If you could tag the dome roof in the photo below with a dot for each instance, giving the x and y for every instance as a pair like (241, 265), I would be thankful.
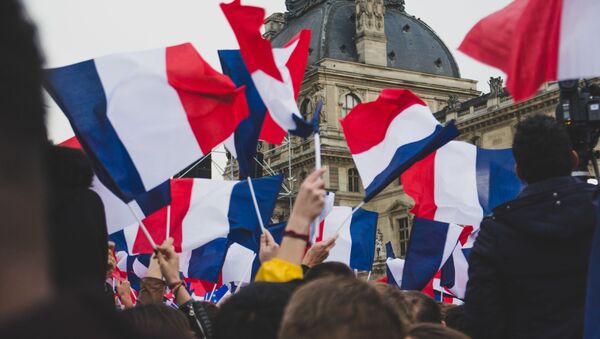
(411, 44)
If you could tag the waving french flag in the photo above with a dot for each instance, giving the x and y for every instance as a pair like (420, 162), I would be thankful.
(394, 266)
(389, 135)
(143, 117)
(534, 41)
(204, 210)
(461, 183)
(277, 73)
(431, 244)
(355, 245)
(455, 272)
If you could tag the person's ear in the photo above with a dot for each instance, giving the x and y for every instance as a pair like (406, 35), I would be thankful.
(574, 160)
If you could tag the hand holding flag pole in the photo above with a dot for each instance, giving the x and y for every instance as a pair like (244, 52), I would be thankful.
(318, 164)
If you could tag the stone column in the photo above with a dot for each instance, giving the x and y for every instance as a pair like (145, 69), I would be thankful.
(370, 32)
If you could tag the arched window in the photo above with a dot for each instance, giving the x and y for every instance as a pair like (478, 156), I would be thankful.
(353, 180)
(350, 101)
(306, 108)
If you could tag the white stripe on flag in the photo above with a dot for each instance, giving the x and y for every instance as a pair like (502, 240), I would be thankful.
(147, 114)
(413, 124)
(237, 261)
(343, 245)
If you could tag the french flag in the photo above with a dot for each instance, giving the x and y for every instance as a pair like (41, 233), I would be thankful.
(143, 117)
(430, 245)
(238, 267)
(389, 135)
(394, 266)
(461, 183)
(355, 245)
(204, 210)
(534, 41)
(118, 215)
(277, 73)
(455, 272)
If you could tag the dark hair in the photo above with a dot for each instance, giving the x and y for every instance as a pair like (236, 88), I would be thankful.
(393, 295)
(327, 270)
(339, 308)
(456, 319)
(542, 149)
(434, 331)
(423, 308)
(253, 312)
(158, 321)
(69, 167)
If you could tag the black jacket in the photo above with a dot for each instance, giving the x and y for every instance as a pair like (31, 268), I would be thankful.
(528, 267)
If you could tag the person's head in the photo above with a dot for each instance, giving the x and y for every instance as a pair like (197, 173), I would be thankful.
(328, 270)
(455, 318)
(253, 312)
(423, 308)
(22, 162)
(444, 307)
(433, 331)
(337, 308)
(542, 149)
(157, 321)
(394, 295)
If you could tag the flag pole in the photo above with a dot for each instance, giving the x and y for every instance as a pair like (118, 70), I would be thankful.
(212, 292)
(143, 227)
(369, 276)
(168, 232)
(255, 202)
(245, 272)
(349, 216)
(318, 163)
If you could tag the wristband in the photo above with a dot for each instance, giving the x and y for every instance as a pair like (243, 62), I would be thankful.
(292, 234)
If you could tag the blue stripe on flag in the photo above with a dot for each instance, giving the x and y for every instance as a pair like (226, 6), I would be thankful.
(206, 261)
(408, 154)
(119, 239)
(363, 229)
(425, 252)
(78, 91)
(248, 131)
(497, 181)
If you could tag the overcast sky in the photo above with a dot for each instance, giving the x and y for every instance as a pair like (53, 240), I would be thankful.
(76, 30)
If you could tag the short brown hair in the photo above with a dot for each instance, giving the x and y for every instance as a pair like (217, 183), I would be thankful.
(433, 331)
(395, 297)
(339, 308)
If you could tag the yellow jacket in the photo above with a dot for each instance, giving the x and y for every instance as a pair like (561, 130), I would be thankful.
(277, 270)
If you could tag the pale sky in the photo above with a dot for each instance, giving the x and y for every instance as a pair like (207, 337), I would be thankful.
(75, 30)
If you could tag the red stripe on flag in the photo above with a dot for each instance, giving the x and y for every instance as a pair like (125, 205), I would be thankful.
(246, 22)
(419, 183)
(214, 107)
(366, 125)
(271, 132)
(464, 235)
(523, 40)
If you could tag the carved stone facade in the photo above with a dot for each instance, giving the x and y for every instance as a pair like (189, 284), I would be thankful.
(370, 34)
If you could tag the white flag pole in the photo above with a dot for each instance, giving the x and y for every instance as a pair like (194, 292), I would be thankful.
(143, 227)
(255, 202)
(211, 293)
(245, 273)
(369, 276)
(349, 216)
(168, 232)
(318, 163)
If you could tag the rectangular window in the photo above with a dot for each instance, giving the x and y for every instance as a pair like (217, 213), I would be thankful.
(402, 224)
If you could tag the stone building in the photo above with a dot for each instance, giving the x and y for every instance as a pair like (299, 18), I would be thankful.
(358, 48)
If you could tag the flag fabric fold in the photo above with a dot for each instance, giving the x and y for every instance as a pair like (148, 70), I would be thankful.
(534, 41)
(387, 136)
(277, 73)
(142, 117)
(461, 183)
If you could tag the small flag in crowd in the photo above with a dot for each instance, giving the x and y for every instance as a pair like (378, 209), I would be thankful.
(461, 183)
(203, 210)
(431, 244)
(218, 294)
(389, 135)
(355, 245)
(394, 266)
(238, 265)
(142, 117)
(455, 272)
(204, 262)
(276, 73)
(316, 230)
(534, 41)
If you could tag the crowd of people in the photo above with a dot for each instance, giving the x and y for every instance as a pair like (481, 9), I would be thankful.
(527, 275)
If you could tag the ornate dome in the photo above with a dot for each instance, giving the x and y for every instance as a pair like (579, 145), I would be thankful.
(411, 44)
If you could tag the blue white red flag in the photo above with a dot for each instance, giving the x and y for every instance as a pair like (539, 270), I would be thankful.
(204, 210)
(393, 266)
(431, 244)
(461, 183)
(277, 73)
(389, 135)
(355, 245)
(143, 117)
(455, 272)
(218, 294)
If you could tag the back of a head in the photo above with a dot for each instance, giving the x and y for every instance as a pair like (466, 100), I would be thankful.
(158, 321)
(393, 295)
(329, 270)
(423, 308)
(542, 149)
(456, 319)
(253, 312)
(339, 308)
(434, 331)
